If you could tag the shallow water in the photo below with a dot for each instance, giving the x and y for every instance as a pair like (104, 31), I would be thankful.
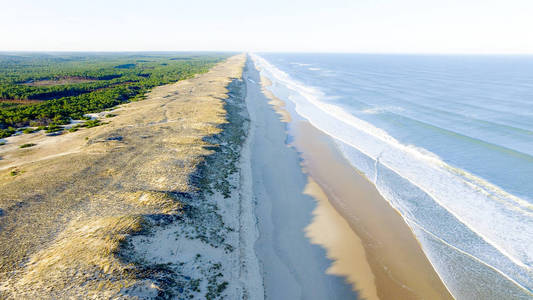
(448, 141)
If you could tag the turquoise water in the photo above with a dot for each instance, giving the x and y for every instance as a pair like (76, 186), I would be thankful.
(448, 141)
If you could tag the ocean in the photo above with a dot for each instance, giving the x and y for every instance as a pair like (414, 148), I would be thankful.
(447, 140)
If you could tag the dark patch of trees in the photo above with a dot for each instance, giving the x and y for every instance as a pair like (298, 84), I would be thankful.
(125, 66)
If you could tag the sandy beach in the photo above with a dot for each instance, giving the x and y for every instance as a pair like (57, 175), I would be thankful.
(399, 267)
(292, 267)
(369, 242)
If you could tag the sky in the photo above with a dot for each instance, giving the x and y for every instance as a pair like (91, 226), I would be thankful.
(360, 26)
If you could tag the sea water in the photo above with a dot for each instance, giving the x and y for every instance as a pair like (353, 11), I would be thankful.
(447, 140)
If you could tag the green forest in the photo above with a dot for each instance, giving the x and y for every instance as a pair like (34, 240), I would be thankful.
(49, 90)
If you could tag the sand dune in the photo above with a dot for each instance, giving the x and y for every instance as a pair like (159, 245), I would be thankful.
(79, 209)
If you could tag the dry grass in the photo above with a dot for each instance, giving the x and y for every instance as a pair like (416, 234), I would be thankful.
(163, 202)
(78, 196)
(82, 259)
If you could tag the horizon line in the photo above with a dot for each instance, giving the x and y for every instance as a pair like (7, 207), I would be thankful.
(270, 51)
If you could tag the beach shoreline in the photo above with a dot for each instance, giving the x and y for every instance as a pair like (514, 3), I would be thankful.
(291, 266)
(399, 266)
(441, 170)
(389, 260)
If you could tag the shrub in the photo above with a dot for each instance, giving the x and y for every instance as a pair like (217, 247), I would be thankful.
(92, 123)
(76, 127)
(53, 128)
(7, 132)
(30, 130)
(27, 145)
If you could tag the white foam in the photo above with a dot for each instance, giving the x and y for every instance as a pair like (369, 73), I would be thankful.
(300, 64)
(502, 220)
(382, 109)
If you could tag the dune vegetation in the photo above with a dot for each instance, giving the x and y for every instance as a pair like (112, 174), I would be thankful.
(70, 204)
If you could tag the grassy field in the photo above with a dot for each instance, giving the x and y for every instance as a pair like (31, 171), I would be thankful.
(52, 89)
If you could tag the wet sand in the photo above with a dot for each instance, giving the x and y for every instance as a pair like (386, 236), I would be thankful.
(330, 230)
(399, 267)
